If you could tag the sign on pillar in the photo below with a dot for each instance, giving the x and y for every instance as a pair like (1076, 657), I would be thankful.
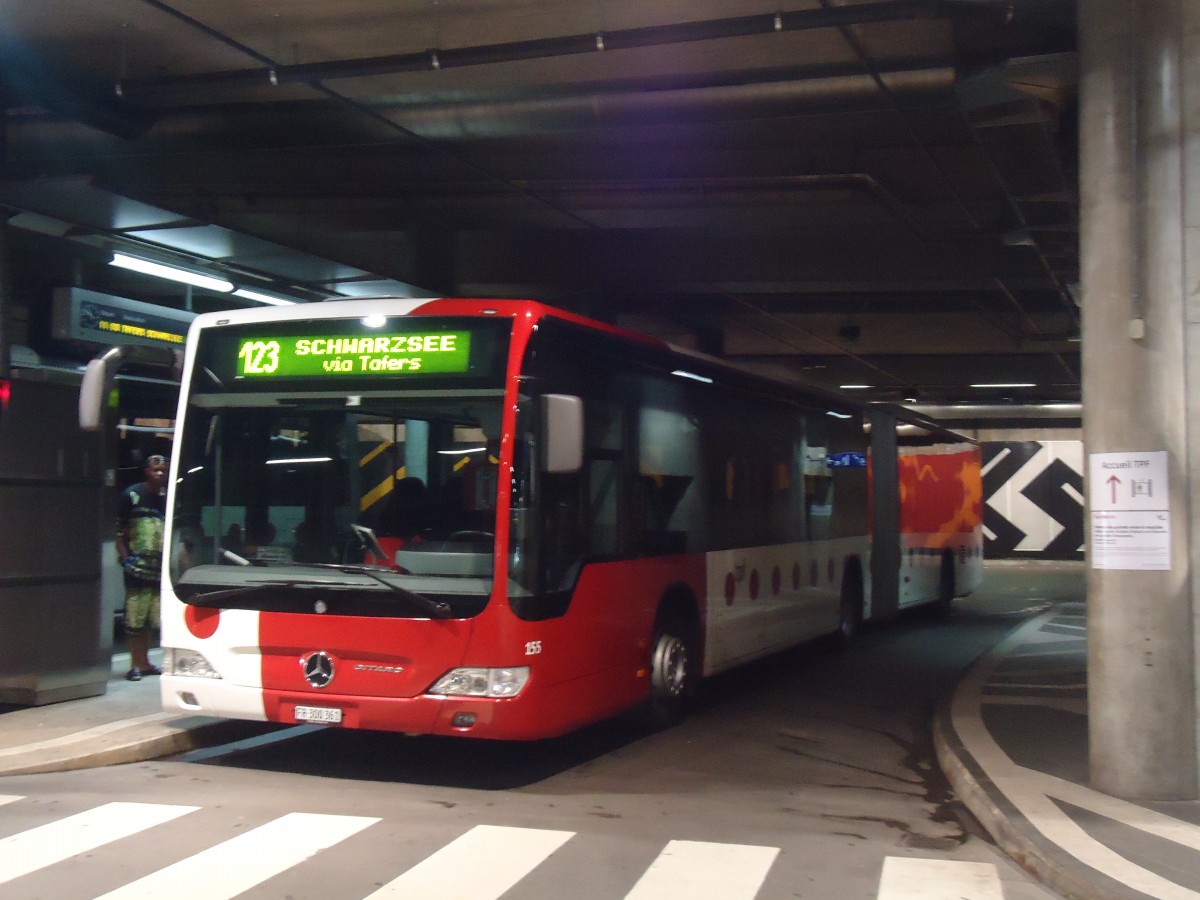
(1131, 510)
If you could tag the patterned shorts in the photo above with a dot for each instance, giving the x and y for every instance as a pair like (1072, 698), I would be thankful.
(141, 606)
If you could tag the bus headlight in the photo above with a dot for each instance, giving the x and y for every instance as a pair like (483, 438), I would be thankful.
(480, 682)
(188, 663)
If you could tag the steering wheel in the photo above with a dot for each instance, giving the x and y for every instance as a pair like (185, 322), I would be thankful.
(479, 536)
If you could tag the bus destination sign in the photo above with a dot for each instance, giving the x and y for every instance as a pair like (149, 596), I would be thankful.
(442, 352)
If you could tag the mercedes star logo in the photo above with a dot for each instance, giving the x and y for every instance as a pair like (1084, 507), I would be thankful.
(318, 669)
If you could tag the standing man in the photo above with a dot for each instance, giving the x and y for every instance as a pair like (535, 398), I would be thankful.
(141, 517)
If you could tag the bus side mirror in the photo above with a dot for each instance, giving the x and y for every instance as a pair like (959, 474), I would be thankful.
(562, 433)
(97, 382)
(101, 371)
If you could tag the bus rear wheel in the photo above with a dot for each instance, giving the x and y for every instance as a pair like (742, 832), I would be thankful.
(850, 612)
(672, 668)
(946, 588)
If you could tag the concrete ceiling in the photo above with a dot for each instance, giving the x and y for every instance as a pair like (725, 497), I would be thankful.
(878, 192)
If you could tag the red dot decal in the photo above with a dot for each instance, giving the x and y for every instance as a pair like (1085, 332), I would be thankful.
(776, 579)
(730, 587)
(754, 585)
(202, 622)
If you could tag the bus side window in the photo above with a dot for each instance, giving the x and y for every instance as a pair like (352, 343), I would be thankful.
(668, 477)
(604, 443)
(583, 509)
(603, 504)
(563, 537)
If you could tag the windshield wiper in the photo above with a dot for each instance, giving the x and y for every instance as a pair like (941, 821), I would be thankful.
(436, 608)
(230, 593)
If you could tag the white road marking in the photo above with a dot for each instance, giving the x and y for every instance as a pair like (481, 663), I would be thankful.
(481, 865)
(9, 798)
(236, 865)
(938, 879)
(1031, 792)
(45, 845)
(703, 871)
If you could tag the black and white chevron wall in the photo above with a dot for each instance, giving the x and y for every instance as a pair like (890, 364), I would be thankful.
(1033, 499)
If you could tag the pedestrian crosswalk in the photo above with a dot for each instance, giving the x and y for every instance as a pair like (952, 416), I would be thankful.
(37, 848)
(938, 879)
(240, 863)
(705, 871)
(483, 863)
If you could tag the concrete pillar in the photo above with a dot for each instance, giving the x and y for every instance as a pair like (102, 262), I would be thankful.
(1141, 354)
(5, 303)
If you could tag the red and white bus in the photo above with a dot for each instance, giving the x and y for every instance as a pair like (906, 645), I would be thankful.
(500, 520)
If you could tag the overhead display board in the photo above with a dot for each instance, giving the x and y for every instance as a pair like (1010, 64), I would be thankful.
(83, 315)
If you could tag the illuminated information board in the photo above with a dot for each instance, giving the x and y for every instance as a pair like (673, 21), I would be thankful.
(83, 315)
(442, 352)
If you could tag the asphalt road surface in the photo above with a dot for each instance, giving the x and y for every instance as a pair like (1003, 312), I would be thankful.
(810, 775)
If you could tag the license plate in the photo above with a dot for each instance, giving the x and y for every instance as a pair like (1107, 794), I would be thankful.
(327, 715)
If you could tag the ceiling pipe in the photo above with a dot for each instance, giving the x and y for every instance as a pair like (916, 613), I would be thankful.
(872, 70)
(159, 87)
(515, 117)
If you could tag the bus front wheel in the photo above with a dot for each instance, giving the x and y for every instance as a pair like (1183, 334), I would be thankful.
(672, 664)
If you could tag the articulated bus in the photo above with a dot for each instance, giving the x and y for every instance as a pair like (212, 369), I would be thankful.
(499, 520)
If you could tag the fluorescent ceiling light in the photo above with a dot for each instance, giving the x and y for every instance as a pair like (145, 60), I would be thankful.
(1014, 384)
(263, 298)
(855, 387)
(461, 452)
(693, 376)
(838, 415)
(171, 273)
(300, 459)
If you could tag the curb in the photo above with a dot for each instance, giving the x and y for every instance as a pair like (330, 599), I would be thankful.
(1044, 860)
(140, 743)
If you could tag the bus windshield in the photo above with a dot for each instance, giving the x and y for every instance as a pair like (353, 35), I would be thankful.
(375, 486)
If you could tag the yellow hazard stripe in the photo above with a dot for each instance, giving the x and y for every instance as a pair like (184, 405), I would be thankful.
(386, 445)
(381, 490)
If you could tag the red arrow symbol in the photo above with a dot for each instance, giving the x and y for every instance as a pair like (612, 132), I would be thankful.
(1114, 481)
